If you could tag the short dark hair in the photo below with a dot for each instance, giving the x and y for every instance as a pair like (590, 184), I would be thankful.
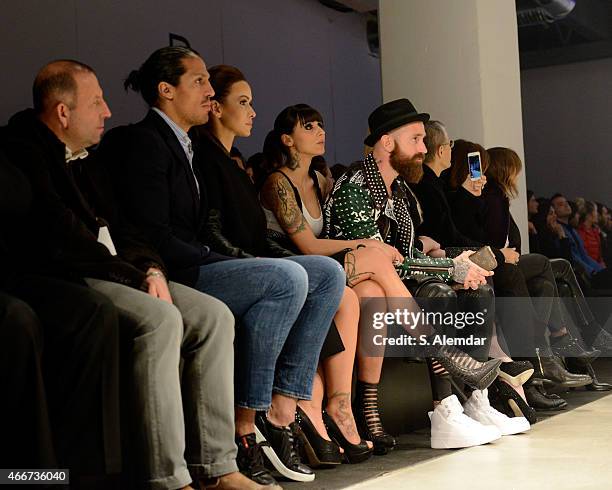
(277, 154)
(164, 65)
(555, 196)
(55, 83)
(222, 77)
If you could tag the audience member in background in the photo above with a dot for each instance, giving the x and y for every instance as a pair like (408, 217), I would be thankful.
(283, 308)
(240, 230)
(605, 227)
(553, 242)
(256, 170)
(532, 209)
(599, 276)
(588, 229)
(373, 200)
(79, 232)
(59, 410)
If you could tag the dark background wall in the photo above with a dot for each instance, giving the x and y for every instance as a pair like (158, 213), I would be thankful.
(567, 118)
(290, 50)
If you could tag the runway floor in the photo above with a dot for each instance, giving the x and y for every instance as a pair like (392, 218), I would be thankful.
(569, 449)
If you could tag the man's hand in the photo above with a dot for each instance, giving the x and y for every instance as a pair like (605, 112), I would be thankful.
(437, 253)
(558, 230)
(157, 285)
(429, 244)
(511, 255)
(468, 273)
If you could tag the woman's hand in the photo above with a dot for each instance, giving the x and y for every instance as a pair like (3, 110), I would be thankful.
(393, 253)
(429, 244)
(511, 255)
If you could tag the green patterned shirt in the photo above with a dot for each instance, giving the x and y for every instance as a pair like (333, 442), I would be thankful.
(360, 207)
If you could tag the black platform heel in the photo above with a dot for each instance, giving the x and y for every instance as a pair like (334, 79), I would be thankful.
(353, 453)
(319, 452)
(507, 401)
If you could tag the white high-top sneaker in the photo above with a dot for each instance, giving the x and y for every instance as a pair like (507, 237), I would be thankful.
(451, 428)
(478, 408)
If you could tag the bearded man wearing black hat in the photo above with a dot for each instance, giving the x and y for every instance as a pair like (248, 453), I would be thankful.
(373, 200)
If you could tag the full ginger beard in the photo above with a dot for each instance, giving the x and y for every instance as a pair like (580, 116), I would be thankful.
(410, 168)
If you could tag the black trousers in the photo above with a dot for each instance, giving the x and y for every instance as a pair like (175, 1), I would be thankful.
(80, 367)
(25, 440)
(524, 320)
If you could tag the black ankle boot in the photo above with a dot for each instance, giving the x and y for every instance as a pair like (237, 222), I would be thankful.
(367, 418)
(549, 367)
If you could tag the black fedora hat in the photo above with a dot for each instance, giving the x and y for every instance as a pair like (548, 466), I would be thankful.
(390, 116)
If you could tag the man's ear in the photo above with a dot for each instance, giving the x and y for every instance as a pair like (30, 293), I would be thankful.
(440, 150)
(286, 140)
(62, 112)
(165, 90)
(388, 142)
(215, 108)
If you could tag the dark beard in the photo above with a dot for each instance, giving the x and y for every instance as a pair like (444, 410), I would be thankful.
(410, 168)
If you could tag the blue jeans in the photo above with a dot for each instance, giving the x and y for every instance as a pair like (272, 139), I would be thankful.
(283, 310)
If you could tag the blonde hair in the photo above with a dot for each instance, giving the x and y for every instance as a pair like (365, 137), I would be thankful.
(504, 166)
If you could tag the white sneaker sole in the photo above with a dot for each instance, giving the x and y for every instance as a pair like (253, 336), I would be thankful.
(278, 464)
(505, 430)
(450, 441)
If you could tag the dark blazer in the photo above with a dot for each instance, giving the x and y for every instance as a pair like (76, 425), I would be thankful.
(157, 188)
(60, 237)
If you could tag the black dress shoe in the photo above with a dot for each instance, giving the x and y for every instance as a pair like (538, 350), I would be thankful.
(282, 451)
(250, 460)
(538, 400)
(579, 366)
(319, 452)
(506, 400)
(568, 346)
(554, 370)
(353, 453)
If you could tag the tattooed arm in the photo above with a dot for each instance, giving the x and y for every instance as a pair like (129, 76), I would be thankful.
(278, 197)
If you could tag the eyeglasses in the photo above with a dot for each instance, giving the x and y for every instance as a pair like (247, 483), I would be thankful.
(450, 144)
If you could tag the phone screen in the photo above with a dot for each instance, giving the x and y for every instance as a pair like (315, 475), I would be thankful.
(474, 166)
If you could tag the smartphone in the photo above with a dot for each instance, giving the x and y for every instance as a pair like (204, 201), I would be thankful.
(474, 165)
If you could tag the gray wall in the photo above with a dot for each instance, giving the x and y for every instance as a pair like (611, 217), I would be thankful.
(567, 118)
(290, 50)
